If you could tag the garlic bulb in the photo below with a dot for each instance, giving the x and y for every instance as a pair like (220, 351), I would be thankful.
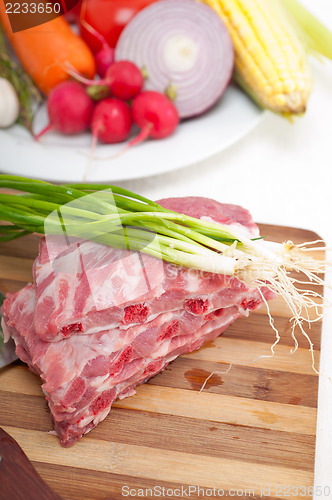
(9, 104)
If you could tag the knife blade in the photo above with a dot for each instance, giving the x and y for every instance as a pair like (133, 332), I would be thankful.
(7, 350)
(18, 478)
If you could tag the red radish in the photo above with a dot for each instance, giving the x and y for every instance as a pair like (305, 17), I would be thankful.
(105, 56)
(155, 115)
(111, 121)
(124, 79)
(69, 109)
(152, 111)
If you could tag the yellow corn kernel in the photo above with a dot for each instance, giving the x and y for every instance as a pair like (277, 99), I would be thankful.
(269, 58)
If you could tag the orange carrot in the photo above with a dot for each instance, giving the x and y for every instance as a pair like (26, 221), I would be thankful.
(45, 50)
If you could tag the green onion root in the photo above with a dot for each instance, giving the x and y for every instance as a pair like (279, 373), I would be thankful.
(120, 218)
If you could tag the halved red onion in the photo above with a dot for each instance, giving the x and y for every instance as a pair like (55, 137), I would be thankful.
(185, 50)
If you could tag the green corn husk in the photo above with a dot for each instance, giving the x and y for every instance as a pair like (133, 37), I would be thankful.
(316, 37)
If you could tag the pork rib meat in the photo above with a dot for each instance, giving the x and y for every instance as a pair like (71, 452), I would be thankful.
(90, 349)
(86, 287)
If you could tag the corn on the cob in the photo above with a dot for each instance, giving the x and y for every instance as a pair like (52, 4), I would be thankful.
(270, 61)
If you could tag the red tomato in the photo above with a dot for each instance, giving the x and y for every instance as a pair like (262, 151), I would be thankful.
(109, 17)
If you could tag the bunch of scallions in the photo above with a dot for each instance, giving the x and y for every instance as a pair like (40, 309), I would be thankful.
(119, 218)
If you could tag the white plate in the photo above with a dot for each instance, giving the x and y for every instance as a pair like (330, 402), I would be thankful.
(58, 158)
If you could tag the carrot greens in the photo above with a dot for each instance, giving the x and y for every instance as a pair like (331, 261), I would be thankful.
(28, 94)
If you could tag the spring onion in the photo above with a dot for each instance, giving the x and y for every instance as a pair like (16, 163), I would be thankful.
(119, 218)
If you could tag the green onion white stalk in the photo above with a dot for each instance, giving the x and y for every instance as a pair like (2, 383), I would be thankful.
(119, 218)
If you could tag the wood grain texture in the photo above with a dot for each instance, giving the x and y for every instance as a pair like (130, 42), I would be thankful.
(252, 429)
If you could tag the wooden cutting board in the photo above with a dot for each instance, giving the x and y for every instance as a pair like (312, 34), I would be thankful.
(251, 429)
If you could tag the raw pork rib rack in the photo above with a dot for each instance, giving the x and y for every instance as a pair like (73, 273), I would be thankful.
(98, 321)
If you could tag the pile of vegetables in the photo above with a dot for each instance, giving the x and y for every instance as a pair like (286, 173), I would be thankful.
(119, 218)
(125, 97)
(71, 110)
(178, 53)
(271, 41)
(128, 92)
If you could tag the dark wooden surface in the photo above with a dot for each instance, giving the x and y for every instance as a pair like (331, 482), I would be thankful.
(252, 427)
